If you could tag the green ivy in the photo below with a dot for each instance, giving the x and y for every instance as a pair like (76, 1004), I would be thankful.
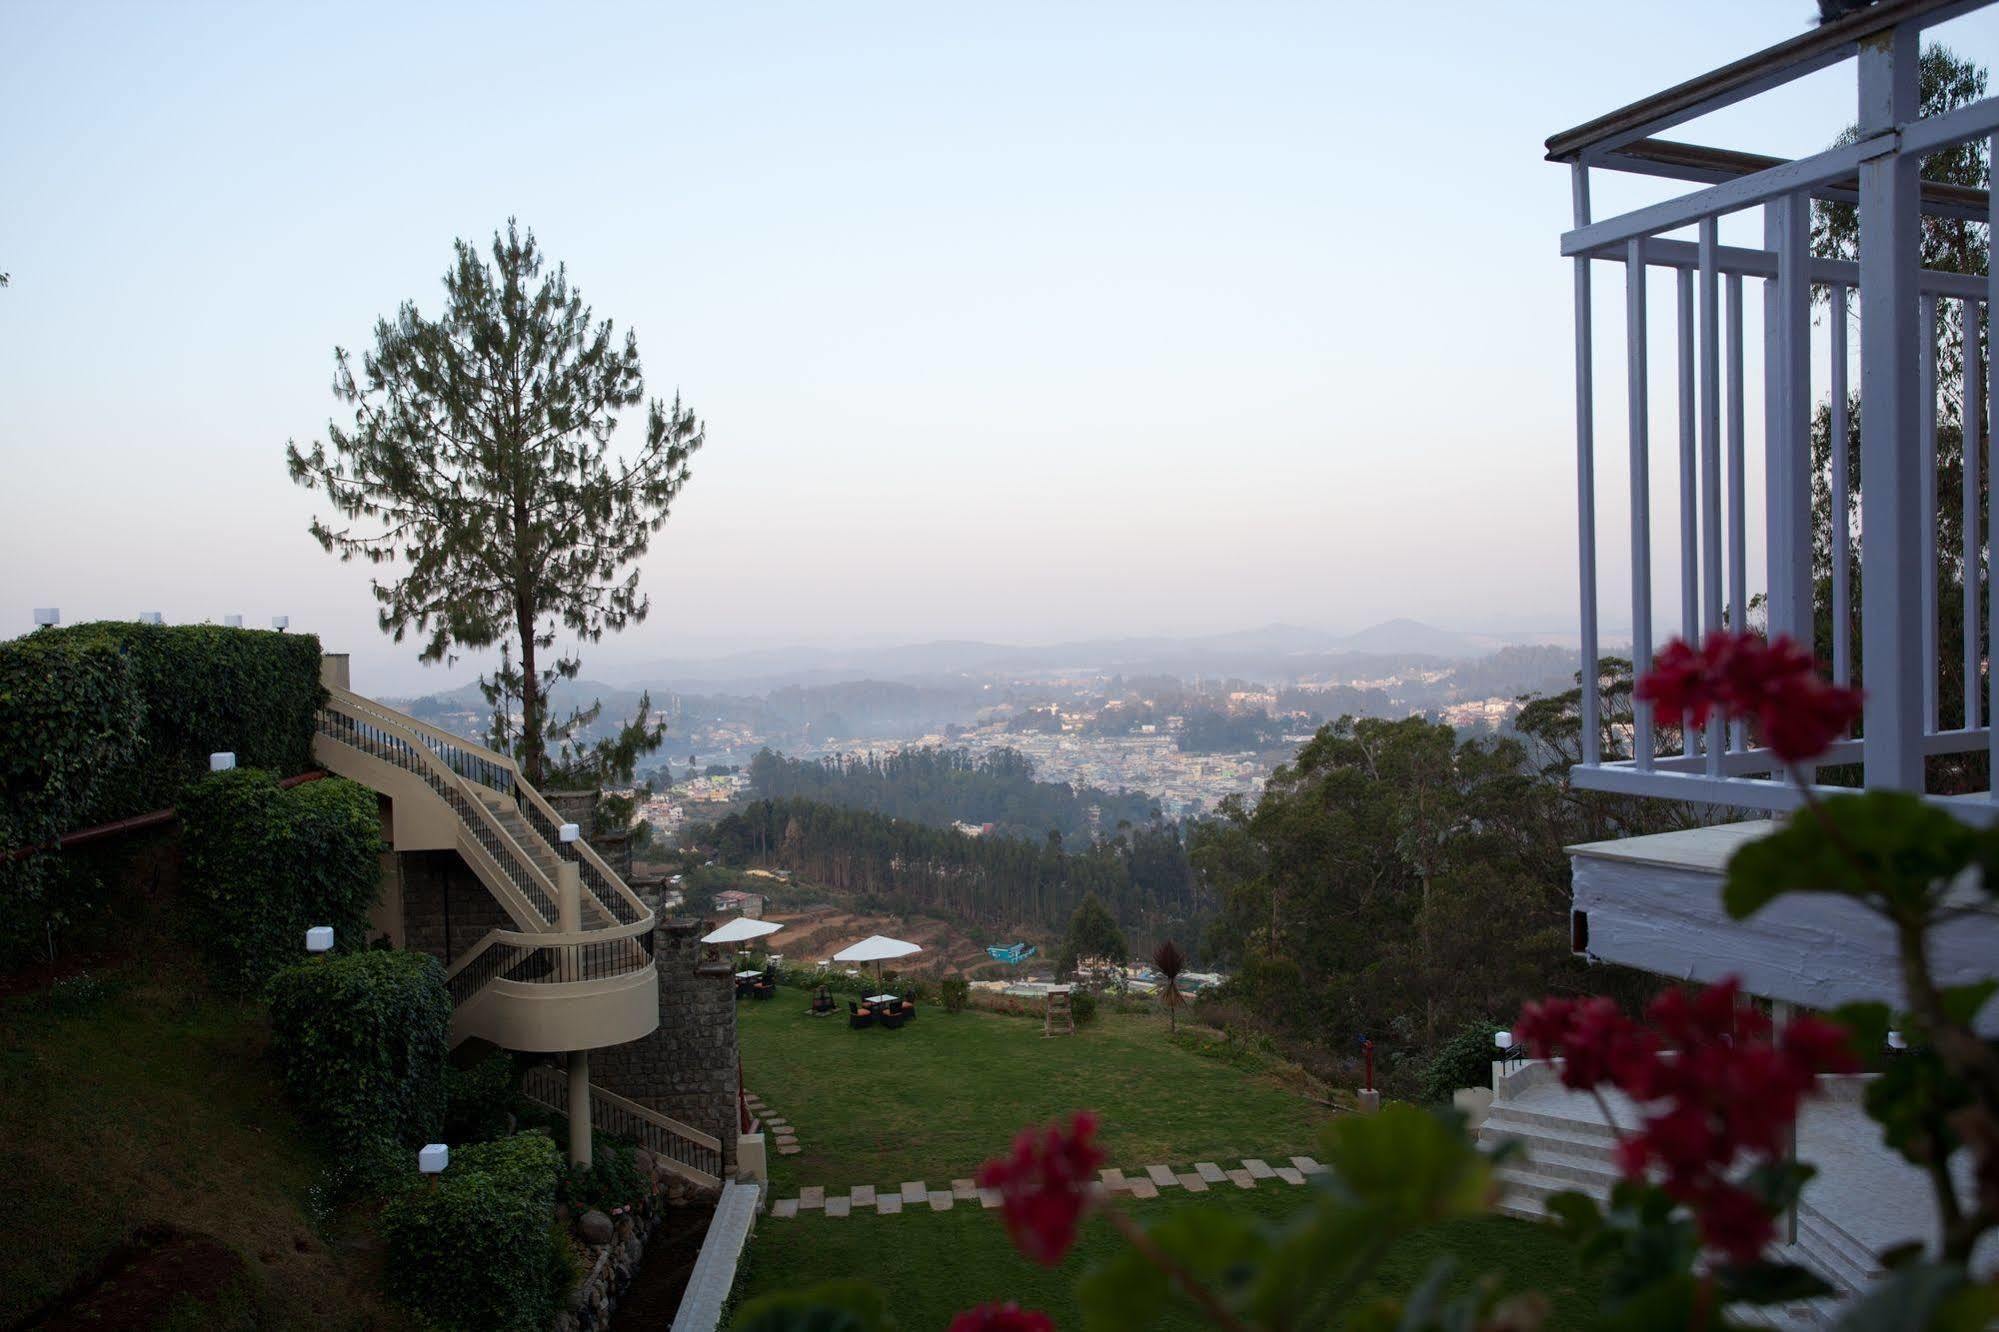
(360, 1041)
(474, 1250)
(106, 720)
(264, 863)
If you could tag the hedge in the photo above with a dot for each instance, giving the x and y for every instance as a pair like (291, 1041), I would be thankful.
(264, 863)
(1464, 1060)
(360, 1040)
(477, 1250)
(105, 720)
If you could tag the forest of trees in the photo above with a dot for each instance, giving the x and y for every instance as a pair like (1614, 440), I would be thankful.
(943, 786)
(1001, 883)
(1211, 732)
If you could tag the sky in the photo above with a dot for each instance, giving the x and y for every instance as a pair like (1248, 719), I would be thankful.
(1024, 323)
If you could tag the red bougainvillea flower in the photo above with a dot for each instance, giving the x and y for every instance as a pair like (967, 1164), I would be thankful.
(1008, 1317)
(1716, 1092)
(1043, 1185)
(1775, 685)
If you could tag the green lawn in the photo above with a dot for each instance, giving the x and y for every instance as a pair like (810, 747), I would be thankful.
(933, 1264)
(950, 1090)
(140, 1097)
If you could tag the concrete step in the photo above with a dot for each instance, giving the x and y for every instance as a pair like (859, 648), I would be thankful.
(1841, 1258)
(1566, 1139)
(1593, 1176)
(1526, 1117)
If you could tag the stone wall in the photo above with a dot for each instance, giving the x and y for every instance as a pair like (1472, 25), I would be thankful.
(687, 1068)
(446, 910)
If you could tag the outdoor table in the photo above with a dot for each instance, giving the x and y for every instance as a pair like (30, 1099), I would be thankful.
(747, 975)
(881, 999)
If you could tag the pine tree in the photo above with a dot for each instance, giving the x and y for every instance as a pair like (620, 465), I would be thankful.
(479, 458)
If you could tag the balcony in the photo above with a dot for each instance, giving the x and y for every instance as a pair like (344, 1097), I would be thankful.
(1878, 603)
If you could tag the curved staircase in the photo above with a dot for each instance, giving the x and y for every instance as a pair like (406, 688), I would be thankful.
(575, 971)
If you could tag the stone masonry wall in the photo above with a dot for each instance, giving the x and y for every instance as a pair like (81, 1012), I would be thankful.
(446, 910)
(687, 1068)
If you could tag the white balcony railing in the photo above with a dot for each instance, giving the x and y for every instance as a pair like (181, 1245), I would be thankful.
(1891, 364)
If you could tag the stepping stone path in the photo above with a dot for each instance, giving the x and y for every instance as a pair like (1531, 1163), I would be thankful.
(915, 1195)
(782, 1135)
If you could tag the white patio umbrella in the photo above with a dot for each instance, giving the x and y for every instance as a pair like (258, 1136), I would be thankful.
(742, 930)
(876, 948)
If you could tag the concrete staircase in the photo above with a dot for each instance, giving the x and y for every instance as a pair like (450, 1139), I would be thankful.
(1566, 1144)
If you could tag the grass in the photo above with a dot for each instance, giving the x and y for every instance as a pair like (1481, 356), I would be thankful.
(932, 1265)
(950, 1090)
(138, 1097)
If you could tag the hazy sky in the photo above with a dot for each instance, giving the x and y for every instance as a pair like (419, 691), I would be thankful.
(1008, 321)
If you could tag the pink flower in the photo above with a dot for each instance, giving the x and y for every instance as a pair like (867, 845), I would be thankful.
(1044, 1184)
(1008, 1317)
(1775, 685)
(1715, 1090)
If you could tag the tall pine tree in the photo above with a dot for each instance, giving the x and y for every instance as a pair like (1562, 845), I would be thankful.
(479, 460)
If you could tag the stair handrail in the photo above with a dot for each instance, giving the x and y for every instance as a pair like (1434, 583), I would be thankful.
(607, 959)
(515, 783)
(388, 719)
(693, 1153)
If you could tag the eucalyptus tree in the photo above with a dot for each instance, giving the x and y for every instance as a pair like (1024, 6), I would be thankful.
(478, 467)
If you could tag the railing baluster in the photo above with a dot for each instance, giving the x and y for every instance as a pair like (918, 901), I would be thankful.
(1926, 407)
(1710, 390)
(1641, 495)
(1842, 501)
(1973, 419)
(1586, 480)
(1738, 491)
(1690, 608)
(1991, 513)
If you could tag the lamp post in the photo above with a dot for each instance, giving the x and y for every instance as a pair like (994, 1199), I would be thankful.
(47, 617)
(281, 622)
(222, 761)
(232, 622)
(319, 939)
(151, 617)
(432, 1158)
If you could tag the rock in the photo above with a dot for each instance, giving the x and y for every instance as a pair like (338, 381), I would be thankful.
(643, 1159)
(594, 1227)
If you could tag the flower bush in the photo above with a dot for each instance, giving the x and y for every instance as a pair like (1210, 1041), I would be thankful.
(1685, 1240)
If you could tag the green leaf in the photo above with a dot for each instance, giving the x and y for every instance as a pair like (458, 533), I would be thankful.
(1413, 1165)
(1219, 1249)
(1889, 849)
(1869, 1023)
(1575, 1214)
(1912, 1100)
(1961, 1003)
(831, 1306)
(1911, 1297)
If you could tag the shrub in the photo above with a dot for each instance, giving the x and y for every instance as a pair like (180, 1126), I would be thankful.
(1083, 1006)
(479, 1100)
(263, 863)
(476, 1251)
(360, 1040)
(102, 721)
(610, 1180)
(954, 991)
(1464, 1060)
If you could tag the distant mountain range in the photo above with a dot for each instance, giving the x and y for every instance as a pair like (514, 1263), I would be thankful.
(1272, 652)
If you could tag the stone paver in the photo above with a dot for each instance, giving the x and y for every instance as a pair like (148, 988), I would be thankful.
(1113, 1179)
(811, 1196)
(913, 1191)
(1306, 1165)
(964, 1190)
(941, 1200)
(1242, 1179)
(792, 1150)
(1144, 1188)
(864, 1195)
(1193, 1183)
(1290, 1176)
(889, 1204)
(1258, 1169)
(1209, 1171)
(989, 1198)
(1162, 1176)
(839, 1206)
(784, 1207)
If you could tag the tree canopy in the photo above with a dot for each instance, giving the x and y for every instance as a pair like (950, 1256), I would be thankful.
(479, 463)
